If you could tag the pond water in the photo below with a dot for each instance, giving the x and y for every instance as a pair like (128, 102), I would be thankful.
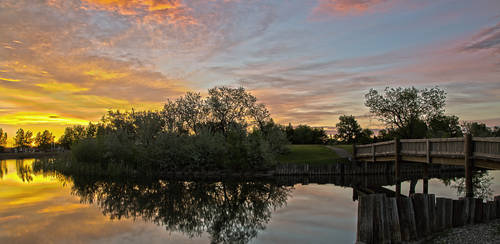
(50, 208)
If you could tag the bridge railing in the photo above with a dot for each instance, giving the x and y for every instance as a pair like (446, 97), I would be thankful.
(487, 148)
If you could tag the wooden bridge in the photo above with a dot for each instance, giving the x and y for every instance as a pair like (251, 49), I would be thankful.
(470, 152)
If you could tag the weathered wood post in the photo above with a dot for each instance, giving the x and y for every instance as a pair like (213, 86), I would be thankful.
(421, 207)
(428, 151)
(431, 198)
(392, 220)
(459, 215)
(469, 167)
(497, 201)
(440, 213)
(471, 203)
(413, 184)
(406, 219)
(397, 159)
(478, 213)
(425, 184)
(448, 213)
(365, 219)
(373, 153)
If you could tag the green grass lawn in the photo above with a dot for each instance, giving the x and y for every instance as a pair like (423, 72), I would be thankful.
(312, 154)
(345, 147)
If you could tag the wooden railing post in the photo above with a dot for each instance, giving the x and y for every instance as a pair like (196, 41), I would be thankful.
(397, 159)
(426, 167)
(468, 165)
(373, 153)
(428, 150)
(425, 184)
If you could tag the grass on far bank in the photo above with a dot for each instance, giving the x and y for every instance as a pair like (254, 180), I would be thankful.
(312, 154)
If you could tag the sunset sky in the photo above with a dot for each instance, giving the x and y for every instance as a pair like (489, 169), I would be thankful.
(65, 62)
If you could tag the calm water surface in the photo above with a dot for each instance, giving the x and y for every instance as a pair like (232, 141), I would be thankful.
(50, 208)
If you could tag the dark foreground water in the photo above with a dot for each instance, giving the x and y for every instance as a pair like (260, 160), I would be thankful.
(50, 208)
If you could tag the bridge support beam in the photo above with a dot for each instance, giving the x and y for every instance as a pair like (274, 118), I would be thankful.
(468, 165)
(397, 162)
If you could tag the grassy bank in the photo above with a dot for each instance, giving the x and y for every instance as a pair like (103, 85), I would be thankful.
(312, 154)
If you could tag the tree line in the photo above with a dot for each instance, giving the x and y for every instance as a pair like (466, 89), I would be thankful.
(407, 113)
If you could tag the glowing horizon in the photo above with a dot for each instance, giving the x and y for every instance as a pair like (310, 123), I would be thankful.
(66, 62)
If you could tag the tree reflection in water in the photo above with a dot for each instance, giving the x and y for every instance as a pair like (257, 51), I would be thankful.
(3, 168)
(481, 185)
(24, 172)
(230, 212)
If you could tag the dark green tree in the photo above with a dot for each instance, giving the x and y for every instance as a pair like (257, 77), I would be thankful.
(444, 126)
(348, 129)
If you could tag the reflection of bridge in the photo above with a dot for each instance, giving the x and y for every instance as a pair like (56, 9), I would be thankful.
(372, 183)
(470, 152)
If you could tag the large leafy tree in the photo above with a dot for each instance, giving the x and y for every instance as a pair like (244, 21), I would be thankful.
(406, 110)
(348, 129)
(229, 106)
(44, 140)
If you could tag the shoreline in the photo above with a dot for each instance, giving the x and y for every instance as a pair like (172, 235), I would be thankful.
(4, 156)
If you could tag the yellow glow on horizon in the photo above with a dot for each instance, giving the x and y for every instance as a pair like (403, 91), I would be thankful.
(38, 118)
(61, 87)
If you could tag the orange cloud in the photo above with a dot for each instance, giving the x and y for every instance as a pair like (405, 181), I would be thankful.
(169, 11)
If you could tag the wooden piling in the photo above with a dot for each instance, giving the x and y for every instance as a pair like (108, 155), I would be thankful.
(497, 203)
(421, 207)
(425, 184)
(459, 215)
(440, 218)
(448, 213)
(380, 234)
(471, 209)
(406, 219)
(478, 213)
(365, 219)
(432, 211)
(486, 212)
(392, 220)
(397, 162)
(469, 192)
(493, 210)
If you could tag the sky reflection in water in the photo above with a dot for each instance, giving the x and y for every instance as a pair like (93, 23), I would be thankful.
(48, 208)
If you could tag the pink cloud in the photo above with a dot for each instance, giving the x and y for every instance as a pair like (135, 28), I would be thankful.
(333, 7)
